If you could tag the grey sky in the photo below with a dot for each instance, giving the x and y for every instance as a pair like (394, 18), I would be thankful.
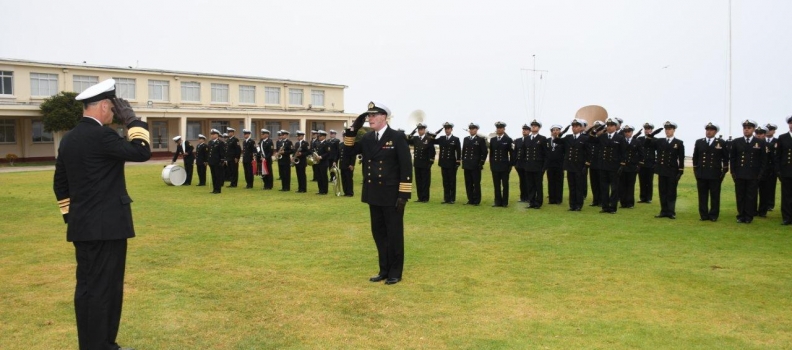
(457, 60)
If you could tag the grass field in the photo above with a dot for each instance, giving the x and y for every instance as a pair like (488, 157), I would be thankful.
(250, 269)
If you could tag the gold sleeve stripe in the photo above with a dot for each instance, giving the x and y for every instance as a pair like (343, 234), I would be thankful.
(64, 201)
(405, 187)
(139, 133)
(349, 141)
(64, 209)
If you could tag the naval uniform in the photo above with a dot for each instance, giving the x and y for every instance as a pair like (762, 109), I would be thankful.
(783, 165)
(646, 173)
(201, 154)
(346, 159)
(554, 164)
(500, 152)
(450, 157)
(248, 150)
(748, 160)
(265, 161)
(216, 161)
(633, 162)
(423, 158)
(189, 158)
(325, 150)
(234, 151)
(301, 148)
(518, 160)
(710, 164)
(670, 162)
(576, 155)
(91, 192)
(284, 164)
(474, 154)
(612, 150)
(535, 150)
(767, 184)
(315, 167)
(595, 167)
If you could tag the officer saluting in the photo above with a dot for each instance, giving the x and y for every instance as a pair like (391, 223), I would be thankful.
(575, 160)
(450, 159)
(710, 165)
(474, 154)
(201, 155)
(669, 167)
(424, 157)
(612, 148)
(748, 160)
(500, 164)
(186, 150)
(554, 165)
(216, 160)
(91, 192)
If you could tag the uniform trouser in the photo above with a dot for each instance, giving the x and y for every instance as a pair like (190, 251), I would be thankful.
(346, 181)
(746, 191)
(233, 172)
(646, 184)
(667, 188)
(423, 178)
(99, 293)
(267, 179)
(500, 181)
(321, 177)
(555, 185)
(315, 169)
(709, 191)
(284, 172)
(217, 177)
(627, 188)
(786, 199)
(302, 179)
(596, 191)
(188, 167)
(201, 173)
(521, 176)
(473, 185)
(534, 188)
(577, 188)
(449, 184)
(387, 227)
(609, 189)
(767, 189)
(248, 168)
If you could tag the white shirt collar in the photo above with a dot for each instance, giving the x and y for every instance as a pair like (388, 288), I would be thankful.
(670, 138)
(96, 120)
(381, 132)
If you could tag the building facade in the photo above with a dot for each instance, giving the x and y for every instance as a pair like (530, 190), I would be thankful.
(172, 102)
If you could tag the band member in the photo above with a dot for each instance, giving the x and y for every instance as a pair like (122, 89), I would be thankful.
(346, 163)
(633, 161)
(387, 185)
(314, 146)
(232, 157)
(284, 150)
(450, 160)
(535, 150)
(226, 169)
(518, 160)
(423, 158)
(576, 155)
(783, 164)
(669, 167)
(300, 162)
(325, 151)
(595, 159)
(216, 161)
(335, 144)
(185, 149)
(201, 157)
(264, 155)
(748, 163)
(248, 152)
(613, 151)
(710, 165)
(500, 150)
(554, 165)
(91, 192)
(767, 184)
(474, 154)
(646, 171)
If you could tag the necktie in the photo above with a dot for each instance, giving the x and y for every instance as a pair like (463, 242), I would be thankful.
(747, 140)
(669, 140)
(609, 136)
(532, 137)
(377, 135)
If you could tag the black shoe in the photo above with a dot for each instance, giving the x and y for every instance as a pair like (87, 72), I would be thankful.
(713, 219)
(377, 278)
(536, 207)
(215, 192)
(603, 211)
(661, 216)
(748, 221)
(672, 217)
(468, 203)
(505, 205)
(785, 223)
(200, 185)
(352, 195)
(390, 281)
(496, 205)
(451, 202)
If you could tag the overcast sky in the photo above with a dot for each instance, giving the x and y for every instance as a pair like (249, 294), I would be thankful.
(459, 61)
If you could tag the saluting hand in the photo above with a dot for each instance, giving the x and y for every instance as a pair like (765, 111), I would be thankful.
(123, 111)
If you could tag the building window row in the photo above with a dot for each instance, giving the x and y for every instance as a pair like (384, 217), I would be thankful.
(6, 83)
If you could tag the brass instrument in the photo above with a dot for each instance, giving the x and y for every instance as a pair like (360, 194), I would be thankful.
(313, 158)
(294, 159)
(337, 182)
(360, 158)
(279, 153)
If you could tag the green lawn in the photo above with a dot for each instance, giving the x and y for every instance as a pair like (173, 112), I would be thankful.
(250, 269)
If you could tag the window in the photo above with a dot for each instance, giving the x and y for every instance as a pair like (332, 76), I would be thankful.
(7, 131)
(6, 83)
(272, 95)
(317, 98)
(293, 126)
(43, 84)
(220, 125)
(82, 82)
(159, 135)
(193, 129)
(296, 97)
(273, 127)
(191, 91)
(220, 93)
(247, 94)
(158, 90)
(125, 88)
(39, 135)
(317, 126)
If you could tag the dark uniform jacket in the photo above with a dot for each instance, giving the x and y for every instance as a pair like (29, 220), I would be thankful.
(287, 147)
(771, 173)
(710, 161)
(266, 149)
(535, 153)
(325, 150)
(423, 152)
(450, 151)
(334, 149)
(248, 150)
(388, 168)
(89, 181)
(186, 152)
(577, 152)
(648, 153)
(202, 153)
(634, 155)
(783, 155)
(234, 151)
(748, 159)
(304, 149)
(474, 152)
(346, 157)
(500, 153)
(217, 150)
(612, 152)
(518, 153)
(670, 157)
(555, 155)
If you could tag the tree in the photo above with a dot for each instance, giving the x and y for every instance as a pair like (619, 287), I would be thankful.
(61, 112)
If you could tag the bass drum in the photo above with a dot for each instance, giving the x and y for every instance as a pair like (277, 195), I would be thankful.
(174, 175)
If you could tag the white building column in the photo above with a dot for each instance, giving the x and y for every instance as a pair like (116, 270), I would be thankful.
(183, 127)
(304, 126)
(248, 124)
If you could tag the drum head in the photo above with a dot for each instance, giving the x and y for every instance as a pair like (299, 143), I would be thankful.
(174, 175)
